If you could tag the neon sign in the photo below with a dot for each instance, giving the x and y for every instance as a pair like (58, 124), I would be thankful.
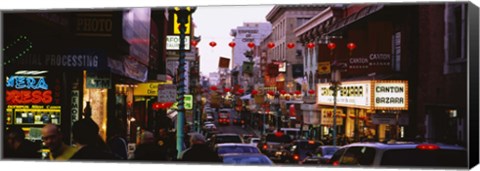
(21, 82)
(28, 90)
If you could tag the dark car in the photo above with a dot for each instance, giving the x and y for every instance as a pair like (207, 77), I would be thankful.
(297, 151)
(273, 144)
(324, 153)
(410, 155)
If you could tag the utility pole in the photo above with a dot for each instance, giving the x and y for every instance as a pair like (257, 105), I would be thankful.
(183, 15)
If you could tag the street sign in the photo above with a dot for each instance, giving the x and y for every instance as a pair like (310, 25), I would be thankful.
(167, 93)
(188, 102)
(173, 42)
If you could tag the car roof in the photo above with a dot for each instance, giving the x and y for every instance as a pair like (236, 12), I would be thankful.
(227, 134)
(235, 144)
(401, 145)
(242, 154)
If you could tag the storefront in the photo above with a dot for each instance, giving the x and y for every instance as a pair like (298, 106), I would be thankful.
(365, 109)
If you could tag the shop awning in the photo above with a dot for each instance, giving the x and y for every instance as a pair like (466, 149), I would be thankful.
(354, 17)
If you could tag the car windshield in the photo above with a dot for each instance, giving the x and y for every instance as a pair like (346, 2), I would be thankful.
(259, 160)
(329, 150)
(237, 149)
(228, 139)
(427, 158)
(278, 139)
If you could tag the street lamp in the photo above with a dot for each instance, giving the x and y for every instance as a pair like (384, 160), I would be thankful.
(183, 14)
(336, 82)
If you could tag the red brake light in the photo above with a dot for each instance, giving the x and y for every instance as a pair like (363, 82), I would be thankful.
(265, 146)
(311, 142)
(243, 121)
(428, 147)
(278, 134)
(296, 157)
(336, 163)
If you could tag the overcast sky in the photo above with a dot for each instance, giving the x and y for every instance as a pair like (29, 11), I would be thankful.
(213, 23)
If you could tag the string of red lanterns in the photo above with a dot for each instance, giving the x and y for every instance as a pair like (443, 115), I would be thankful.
(213, 44)
(251, 44)
(231, 44)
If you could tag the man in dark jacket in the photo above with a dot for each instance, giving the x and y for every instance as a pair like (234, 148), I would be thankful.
(199, 151)
(18, 147)
(90, 144)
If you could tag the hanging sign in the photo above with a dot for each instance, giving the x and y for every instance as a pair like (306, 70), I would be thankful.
(167, 93)
(391, 95)
(349, 94)
(173, 42)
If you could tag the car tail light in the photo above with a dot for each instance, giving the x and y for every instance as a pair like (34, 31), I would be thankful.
(336, 163)
(428, 147)
(311, 142)
(243, 121)
(296, 157)
(265, 146)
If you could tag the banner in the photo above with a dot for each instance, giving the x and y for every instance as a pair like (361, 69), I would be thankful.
(323, 68)
(247, 67)
(297, 70)
(224, 62)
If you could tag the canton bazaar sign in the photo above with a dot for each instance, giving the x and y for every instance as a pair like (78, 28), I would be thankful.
(380, 95)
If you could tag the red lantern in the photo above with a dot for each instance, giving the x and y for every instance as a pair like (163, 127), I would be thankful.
(298, 92)
(240, 91)
(311, 91)
(310, 45)
(351, 46)
(251, 44)
(232, 44)
(226, 90)
(291, 45)
(194, 43)
(331, 46)
(271, 93)
(213, 88)
(283, 92)
(254, 92)
(213, 44)
(271, 45)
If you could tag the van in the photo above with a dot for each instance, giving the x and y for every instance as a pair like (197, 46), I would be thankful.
(294, 133)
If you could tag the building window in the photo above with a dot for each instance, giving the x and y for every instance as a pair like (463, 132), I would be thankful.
(455, 38)
(396, 51)
(301, 21)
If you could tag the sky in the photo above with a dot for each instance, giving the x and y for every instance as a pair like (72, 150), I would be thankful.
(213, 23)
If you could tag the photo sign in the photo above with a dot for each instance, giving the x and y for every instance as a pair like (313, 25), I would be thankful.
(350, 94)
(167, 93)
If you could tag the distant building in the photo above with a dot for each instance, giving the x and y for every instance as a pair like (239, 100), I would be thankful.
(214, 78)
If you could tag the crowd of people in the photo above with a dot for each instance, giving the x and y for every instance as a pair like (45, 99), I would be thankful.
(89, 146)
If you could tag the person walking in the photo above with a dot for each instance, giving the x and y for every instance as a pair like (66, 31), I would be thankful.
(117, 142)
(53, 139)
(148, 150)
(18, 147)
(90, 144)
(199, 151)
(166, 141)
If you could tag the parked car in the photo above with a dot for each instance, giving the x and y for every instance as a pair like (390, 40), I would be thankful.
(246, 159)
(235, 148)
(272, 145)
(409, 155)
(297, 151)
(224, 138)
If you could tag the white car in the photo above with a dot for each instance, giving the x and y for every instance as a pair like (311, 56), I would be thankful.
(408, 155)
(254, 141)
(210, 126)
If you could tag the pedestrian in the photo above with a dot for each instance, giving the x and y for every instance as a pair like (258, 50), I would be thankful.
(117, 142)
(90, 144)
(53, 139)
(148, 150)
(167, 142)
(17, 147)
(199, 151)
